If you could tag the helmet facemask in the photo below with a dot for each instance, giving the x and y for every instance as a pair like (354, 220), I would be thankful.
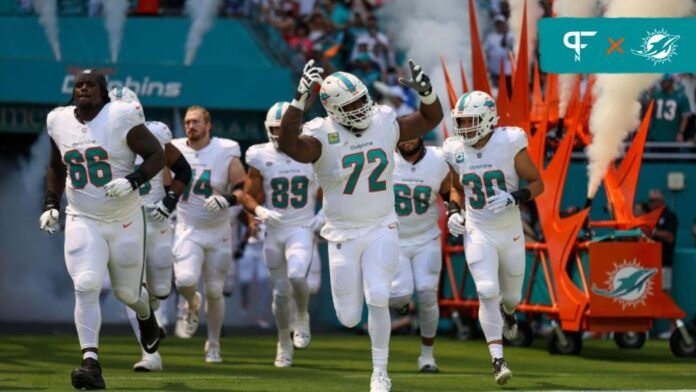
(271, 137)
(356, 118)
(470, 131)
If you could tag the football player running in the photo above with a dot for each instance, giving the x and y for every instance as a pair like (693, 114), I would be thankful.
(160, 196)
(93, 149)
(352, 153)
(490, 161)
(203, 233)
(283, 194)
(420, 173)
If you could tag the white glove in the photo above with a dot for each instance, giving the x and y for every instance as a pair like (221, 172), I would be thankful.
(49, 220)
(161, 211)
(420, 82)
(455, 224)
(318, 221)
(119, 187)
(216, 203)
(266, 215)
(501, 201)
(310, 75)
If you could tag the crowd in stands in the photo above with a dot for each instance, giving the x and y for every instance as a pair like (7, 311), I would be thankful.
(346, 35)
(343, 35)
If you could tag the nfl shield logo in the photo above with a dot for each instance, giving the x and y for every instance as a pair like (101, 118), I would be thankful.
(334, 138)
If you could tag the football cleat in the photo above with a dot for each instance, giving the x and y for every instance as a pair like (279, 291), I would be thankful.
(301, 336)
(510, 327)
(380, 382)
(284, 354)
(501, 372)
(427, 365)
(150, 335)
(88, 376)
(149, 363)
(188, 324)
(212, 353)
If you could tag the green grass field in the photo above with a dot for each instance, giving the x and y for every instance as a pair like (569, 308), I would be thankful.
(339, 363)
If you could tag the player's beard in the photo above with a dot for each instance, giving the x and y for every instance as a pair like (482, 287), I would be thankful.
(411, 152)
(195, 135)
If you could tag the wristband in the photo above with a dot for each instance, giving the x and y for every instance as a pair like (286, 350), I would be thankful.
(137, 178)
(232, 199)
(51, 201)
(170, 200)
(428, 98)
(453, 208)
(521, 195)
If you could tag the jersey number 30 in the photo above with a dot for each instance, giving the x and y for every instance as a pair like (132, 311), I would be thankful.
(473, 181)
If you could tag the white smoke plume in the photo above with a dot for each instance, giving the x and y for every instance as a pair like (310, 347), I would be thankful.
(115, 12)
(34, 283)
(202, 14)
(415, 25)
(534, 13)
(616, 109)
(48, 18)
(571, 9)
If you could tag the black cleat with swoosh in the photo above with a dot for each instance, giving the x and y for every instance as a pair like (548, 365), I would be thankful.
(150, 334)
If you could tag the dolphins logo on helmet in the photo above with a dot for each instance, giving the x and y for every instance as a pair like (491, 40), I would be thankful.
(481, 109)
(341, 89)
(273, 117)
(126, 95)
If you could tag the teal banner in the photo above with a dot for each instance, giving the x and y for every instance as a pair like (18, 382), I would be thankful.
(216, 87)
(617, 45)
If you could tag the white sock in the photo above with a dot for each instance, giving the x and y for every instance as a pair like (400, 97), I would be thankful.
(141, 307)
(490, 318)
(379, 327)
(300, 291)
(90, 354)
(133, 322)
(428, 313)
(87, 318)
(496, 350)
(214, 316)
(427, 351)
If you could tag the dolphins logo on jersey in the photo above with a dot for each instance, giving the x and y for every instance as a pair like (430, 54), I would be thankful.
(658, 46)
(628, 284)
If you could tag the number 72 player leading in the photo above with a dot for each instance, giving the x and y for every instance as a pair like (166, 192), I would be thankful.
(352, 151)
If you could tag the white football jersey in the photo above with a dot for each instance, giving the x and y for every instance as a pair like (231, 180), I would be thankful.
(153, 191)
(210, 176)
(289, 186)
(484, 171)
(96, 153)
(355, 173)
(416, 186)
